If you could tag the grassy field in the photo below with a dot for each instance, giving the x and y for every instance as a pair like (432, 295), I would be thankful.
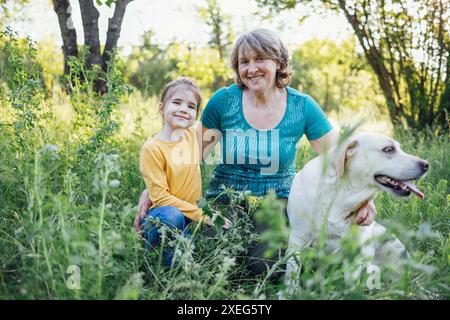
(69, 184)
(67, 206)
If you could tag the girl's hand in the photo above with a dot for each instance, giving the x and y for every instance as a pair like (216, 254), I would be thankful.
(144, 204)
(226, 225)
(366, 214)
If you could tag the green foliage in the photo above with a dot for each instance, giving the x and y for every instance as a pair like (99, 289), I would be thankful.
(406, 43)
(331, 276)
(8, 7)
(219, 24)
(271, 212)
(100, 109)
(51, 59)
(152, 66)
(335, 75)
(95, 121)
(204, 65)
(107, 2)
(68, 199)
(24, 85)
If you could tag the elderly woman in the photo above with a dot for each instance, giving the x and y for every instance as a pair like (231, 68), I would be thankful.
(259, 121)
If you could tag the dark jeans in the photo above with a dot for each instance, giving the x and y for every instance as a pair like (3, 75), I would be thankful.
(257, 264)
(171, 217)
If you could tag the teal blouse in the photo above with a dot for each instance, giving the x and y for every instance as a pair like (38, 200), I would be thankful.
(259, 160)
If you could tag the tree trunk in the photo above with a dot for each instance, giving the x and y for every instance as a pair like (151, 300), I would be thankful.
(375, 60)
(89, 16)
(68, 33)
(443, 114)
(112, 36)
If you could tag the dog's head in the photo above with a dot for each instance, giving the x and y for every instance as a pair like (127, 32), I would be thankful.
(379, 160)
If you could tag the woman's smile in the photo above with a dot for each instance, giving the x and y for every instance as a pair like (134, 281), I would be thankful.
(255, 78)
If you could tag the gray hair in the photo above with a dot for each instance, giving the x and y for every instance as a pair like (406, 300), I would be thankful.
(268, 45)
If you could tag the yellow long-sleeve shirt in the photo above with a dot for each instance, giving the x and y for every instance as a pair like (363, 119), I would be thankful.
(171, 171)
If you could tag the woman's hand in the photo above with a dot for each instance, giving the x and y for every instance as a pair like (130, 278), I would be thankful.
(144, 204)
(366, 214)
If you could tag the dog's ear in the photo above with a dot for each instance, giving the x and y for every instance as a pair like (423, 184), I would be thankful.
(341, 154)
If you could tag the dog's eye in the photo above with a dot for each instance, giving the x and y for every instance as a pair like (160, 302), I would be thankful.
(389, 149)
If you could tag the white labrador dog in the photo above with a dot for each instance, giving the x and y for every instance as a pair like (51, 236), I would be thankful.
(333, 186)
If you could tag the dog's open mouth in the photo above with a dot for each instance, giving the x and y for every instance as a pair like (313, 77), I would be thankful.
(399, 187)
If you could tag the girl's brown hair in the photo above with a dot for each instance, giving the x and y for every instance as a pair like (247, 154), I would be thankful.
(268, 45)
(186, 83)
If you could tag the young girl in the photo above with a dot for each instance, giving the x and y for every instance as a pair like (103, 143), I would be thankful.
(170, 164)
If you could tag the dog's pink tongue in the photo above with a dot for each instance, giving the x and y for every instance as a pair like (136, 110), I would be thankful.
(414, 189)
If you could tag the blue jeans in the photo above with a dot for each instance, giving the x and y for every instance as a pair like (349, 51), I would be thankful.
(171, 217)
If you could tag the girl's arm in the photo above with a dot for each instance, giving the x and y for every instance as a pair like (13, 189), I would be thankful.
(143, 205)
(161, 194)
(152, 169)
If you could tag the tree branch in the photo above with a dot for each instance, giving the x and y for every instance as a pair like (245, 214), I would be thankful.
(68, 33)
(440, 39)
(375, 60)
(392, 61)
(89, 16)
(113, 33)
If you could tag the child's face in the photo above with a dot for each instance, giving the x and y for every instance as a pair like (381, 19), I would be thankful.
(180, 110)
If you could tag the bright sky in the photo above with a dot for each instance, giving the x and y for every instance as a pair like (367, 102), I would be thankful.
(178, 19)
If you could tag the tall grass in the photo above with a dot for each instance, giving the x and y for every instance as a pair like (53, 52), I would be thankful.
(69, 184)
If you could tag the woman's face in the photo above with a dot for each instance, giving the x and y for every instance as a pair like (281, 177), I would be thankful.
(257, 73)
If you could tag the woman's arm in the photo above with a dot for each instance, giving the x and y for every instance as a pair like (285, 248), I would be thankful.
(325, 142)
(207, 139)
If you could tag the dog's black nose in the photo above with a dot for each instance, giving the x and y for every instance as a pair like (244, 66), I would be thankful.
(424, 165)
